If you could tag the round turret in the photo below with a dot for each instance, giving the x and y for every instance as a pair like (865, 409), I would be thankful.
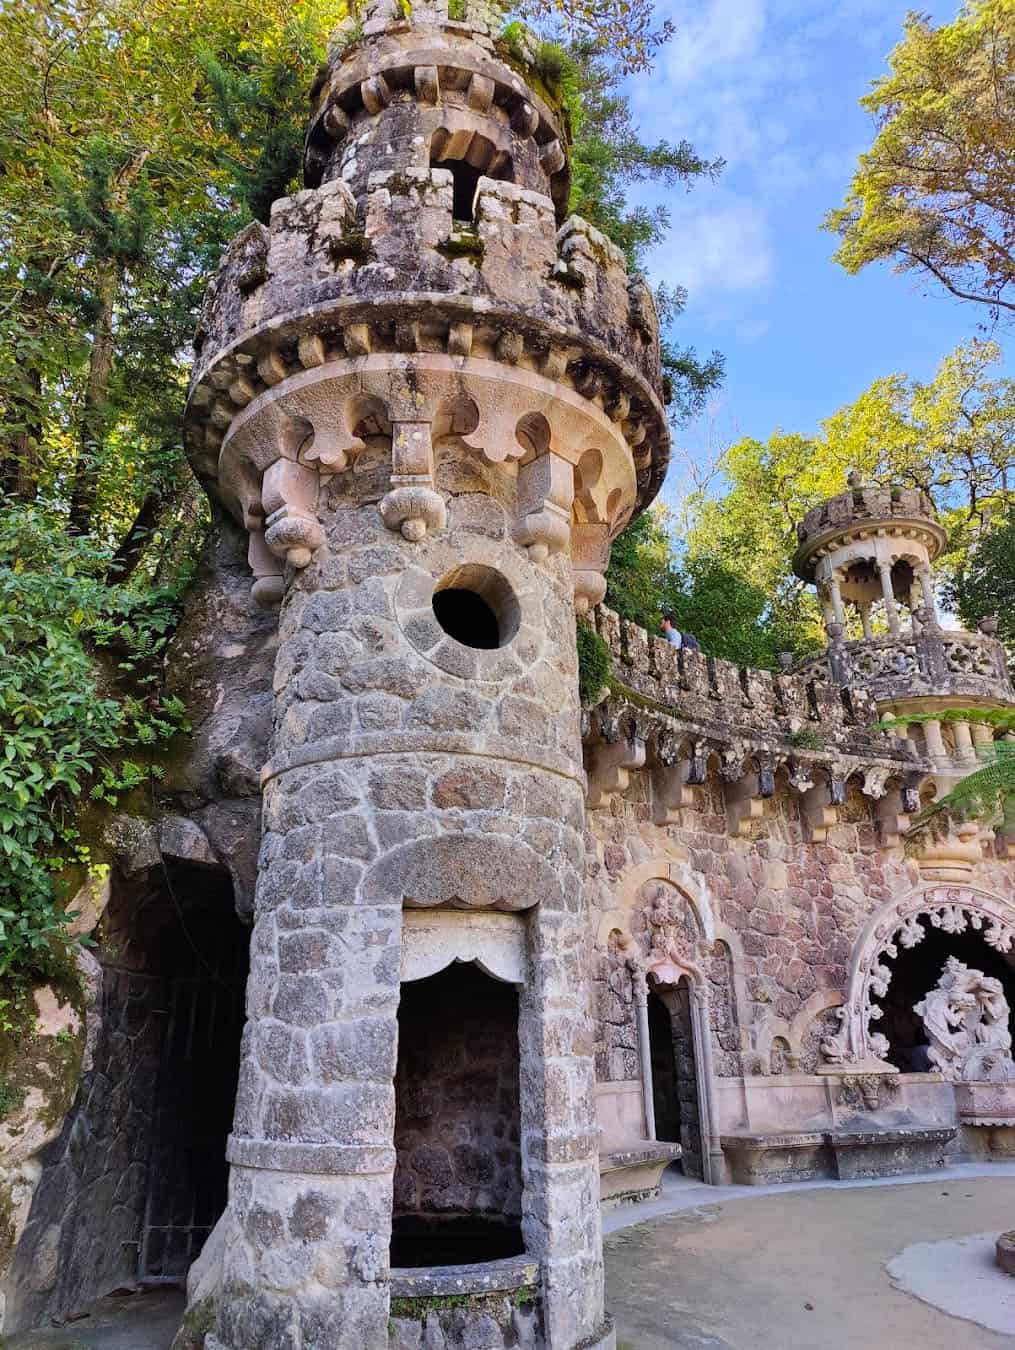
(873, 547)
(867, 545)
(432, 408)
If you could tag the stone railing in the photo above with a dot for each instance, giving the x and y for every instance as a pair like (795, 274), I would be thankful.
(684, 718)
(933, 662)
(704, 689)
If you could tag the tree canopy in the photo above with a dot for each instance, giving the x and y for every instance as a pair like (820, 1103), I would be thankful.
(733, 585)
(935, 193)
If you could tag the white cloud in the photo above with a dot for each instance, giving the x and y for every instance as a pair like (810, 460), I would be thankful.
(717, 248)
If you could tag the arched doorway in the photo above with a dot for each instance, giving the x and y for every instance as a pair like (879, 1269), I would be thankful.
(915, 970)
(674, 1072)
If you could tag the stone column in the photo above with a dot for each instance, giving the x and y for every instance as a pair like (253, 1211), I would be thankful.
(865, 619)
(891, 611)
(927, 588)
(835, 595)
(639, 987)
(963, 741)
(983, 737)
(934, 741)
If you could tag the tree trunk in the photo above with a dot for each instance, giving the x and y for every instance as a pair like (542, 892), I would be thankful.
(131, 549)
(96, 401)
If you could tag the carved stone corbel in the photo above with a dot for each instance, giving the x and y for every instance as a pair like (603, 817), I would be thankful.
(545, 494)
(590, 557)
(611, 768)
(892, 817)
(289, 494)
(746, 796)
(673, 790)
(269, 583)
(818, 812)
(412, 506)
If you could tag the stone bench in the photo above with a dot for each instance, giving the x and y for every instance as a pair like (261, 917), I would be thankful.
(632, 1171)
(763, 1159)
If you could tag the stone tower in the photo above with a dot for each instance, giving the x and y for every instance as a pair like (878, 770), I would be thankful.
(432, 401)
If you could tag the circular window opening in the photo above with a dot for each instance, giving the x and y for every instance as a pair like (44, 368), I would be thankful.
(477, 607)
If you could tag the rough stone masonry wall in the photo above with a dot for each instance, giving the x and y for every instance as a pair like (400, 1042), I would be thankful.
(788, 912)
(394, 781)
(81, 1239)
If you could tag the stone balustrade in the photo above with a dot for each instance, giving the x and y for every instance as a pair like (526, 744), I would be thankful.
(956, 664)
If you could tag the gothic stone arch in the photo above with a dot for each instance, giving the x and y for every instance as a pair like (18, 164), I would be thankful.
(953, 909)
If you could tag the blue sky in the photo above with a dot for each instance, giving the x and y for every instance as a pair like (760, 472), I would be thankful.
(773, 87)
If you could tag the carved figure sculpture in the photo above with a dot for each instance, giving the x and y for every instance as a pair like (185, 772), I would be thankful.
(966, 1020)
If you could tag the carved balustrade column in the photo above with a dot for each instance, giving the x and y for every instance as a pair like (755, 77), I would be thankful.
(835, 594)
(927, 587)
(935, 741)
(983, 737)
(963, 741)
(891, 609)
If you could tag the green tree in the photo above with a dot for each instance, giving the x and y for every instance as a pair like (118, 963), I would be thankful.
(951, 436)
(984, 582)
(936, 191)
(607, 156)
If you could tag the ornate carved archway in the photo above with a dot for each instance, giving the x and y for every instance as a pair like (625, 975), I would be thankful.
(952, 909)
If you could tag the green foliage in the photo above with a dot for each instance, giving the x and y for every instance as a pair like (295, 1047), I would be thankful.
(729, 615)
(806, 739)
(593, 663)
(984, 582)
(639, 579)
(934, 192)
(79, 678)
(607, 156)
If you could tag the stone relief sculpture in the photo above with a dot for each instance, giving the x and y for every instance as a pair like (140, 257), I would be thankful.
(965, 1017)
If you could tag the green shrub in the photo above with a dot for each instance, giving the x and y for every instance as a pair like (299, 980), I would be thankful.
(593, 663)
(80, 682)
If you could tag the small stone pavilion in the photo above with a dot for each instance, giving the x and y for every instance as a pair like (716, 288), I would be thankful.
(419, 962)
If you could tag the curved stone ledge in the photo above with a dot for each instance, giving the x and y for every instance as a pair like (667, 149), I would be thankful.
(276, 1155)
(381, 744)
(571, 354)
(480, 1277)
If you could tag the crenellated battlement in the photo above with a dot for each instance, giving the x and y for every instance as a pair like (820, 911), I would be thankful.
(288, 293)
(689, 720)
(778, 707)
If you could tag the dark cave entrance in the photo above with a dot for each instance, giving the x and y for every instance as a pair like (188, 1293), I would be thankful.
(205, 962)
(916, 970)
(137, 1177)
(458, 1187)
